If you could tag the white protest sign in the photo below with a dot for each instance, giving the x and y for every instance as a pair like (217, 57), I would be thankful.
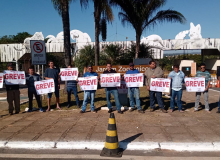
(123, 89)
(14, 77)
(134, 80)
(110, 80)
(1, 80)
(88, 83)
(160, 84)
(38, 52)
(67, 74)
(45, 86)
(195, 84)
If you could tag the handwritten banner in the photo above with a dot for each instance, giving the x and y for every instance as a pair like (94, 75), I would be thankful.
(195, 84)
(88, 83)
(1, 80)
(134, 80)
(67, 74)
(14, 77)
(123, 89)
(45, 86)
(110, 80)
(160, 84)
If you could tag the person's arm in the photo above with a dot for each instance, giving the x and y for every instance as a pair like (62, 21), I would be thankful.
(46, 75)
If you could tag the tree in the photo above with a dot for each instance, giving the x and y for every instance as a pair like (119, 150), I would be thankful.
(142, 14)
(19, 38)
(102, 13)
(62, 6)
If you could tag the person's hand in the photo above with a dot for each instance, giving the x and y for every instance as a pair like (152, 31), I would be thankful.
(153, 76)
(206, 89)
(58, 86)
(203, 76)
(148, 88)
(186, 76)
(169, 77)
(77, 80)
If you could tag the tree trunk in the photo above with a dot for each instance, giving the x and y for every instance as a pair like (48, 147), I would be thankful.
(138, 41)
(97, 20)
(66, 32)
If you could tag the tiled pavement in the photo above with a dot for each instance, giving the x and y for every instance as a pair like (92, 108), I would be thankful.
(157, 126)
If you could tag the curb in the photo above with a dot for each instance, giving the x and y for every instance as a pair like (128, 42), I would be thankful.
(95, 145)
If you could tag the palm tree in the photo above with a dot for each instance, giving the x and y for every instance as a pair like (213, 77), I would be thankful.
(62, 6)
(142, 14)
(102, 11)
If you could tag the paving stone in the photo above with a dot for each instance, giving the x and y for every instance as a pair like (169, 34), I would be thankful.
(23, 123)
(5, 136)
(199, 129)
(11, 129)
(151, 130)
(33, 129)
(80, 129)
(49, 137)
(209, 137)
(131, 137)
(98, 137)
(156, 137)
(57, 129)
(23, 137)
(174, 129)
(179, 137)
(76, 137)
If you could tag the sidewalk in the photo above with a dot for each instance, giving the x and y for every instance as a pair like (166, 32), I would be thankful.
(65, 126)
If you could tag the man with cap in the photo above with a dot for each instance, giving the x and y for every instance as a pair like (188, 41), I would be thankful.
(13, 95)
(90, 93)
(134, 91)
(112, 90)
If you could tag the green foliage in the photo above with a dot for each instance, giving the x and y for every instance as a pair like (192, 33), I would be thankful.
(19, 38)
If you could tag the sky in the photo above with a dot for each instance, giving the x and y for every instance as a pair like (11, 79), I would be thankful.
(40, 16)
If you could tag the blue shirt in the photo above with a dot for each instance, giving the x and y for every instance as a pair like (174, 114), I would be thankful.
(177, 80)
(31, 79)
(206, 74)
(135, 71)
(88, 74)
(52, 73)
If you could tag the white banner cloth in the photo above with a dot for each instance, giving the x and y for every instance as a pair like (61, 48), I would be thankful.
(134, 80)
(195, 84)
(45, 86)
(14, 77)
(160, 84)
(67, 74)
(110, 80)
(88, 83)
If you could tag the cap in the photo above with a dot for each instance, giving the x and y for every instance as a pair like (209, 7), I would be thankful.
(131, 64)
(9, 65)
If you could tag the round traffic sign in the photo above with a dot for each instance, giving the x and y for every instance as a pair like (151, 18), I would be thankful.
(38, 47)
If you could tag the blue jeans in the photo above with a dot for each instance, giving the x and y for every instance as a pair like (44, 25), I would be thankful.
(134, 91)
(219, 104)
(69, 91)
(159, 99)
(114, 91)
(37, 97)
(57, 94)
(179, 97)
(88, 94)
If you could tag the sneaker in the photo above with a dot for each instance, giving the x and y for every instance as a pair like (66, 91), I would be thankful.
(195, 110)
(163, 110)
(218, 112)
(81, 111)
(152, 109)
(41, 110)
(120, 112)
(94, 111)
(78, 105)
(68, 106)
(141, 111)
(29, 110)
(110, 110)
(16, 112)
(132, 109)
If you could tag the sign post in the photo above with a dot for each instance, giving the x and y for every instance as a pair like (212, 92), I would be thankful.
(38, 52)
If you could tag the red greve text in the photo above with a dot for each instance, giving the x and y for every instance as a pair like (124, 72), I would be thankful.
(14, 76)
(110, 79)
(45, 85)
(69, 73)
(134, 79)
(195, 84)
(1, 79)
(88, 82)
(160, 84)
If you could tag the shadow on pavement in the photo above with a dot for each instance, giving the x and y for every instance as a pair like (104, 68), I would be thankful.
(124, 143)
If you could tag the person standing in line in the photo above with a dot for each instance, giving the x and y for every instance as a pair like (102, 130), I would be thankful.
(134, 91)
(31, 78)
(90, 93)
(218, 78)
(13, 94)
(177, 80)
(154, 72)
(53, 73)
(112, 90)
(205, 74)
(72, 88)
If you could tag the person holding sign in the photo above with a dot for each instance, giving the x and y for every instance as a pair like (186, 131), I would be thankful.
(134, 91)
(177, 80)
(53, 73)
(205, 74)
(13, 94)
(112, 90)
(72, 87)
(154, 72)
(31, 78)
(89, 93)
(218, 78)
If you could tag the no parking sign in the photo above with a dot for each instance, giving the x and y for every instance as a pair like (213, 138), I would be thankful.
(38, 52)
